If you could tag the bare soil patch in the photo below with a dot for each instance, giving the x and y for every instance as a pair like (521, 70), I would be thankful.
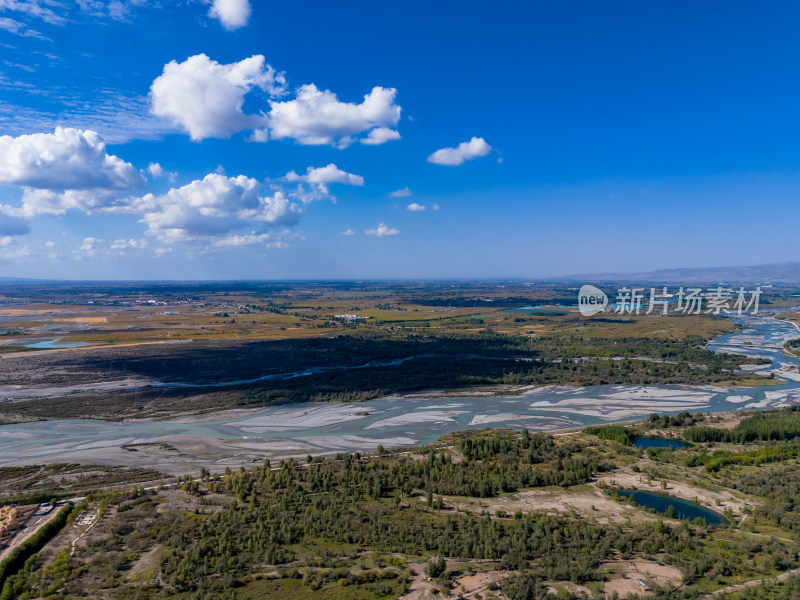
(638, 577)
(470, 586)
(588, 501)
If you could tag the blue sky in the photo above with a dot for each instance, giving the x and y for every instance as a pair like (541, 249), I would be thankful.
(540, 138)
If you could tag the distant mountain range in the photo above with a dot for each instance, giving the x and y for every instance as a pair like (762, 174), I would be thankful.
(17, 280)
(788, 272)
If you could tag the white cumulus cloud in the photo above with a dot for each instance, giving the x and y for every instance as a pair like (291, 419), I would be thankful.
(317, 117)
(327, 174)
(382, 230)
(414, 207)
(465, 151)
(233, 14)
(348, 232)
(47, 202)
(205, 97)
(380, 135)
(155, 169)
(68, 159)
(213, 207)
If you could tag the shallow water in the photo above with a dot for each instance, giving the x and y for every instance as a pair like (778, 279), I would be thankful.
(55, 345)
(309, 428)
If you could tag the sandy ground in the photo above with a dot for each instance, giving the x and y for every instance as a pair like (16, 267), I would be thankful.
(191, 452)
(324, 444)
(472, 585)
(497, 418)
(17, 312)
(727, 420)
(302, 418)
(738, 399)
(623, 576)
(421, 588)
(530, 421)
(19, 393)
(587, 500)
(776, 399)
(624, 402)
(425, 416)
(576, 590)
(492, 390)
(210, 416)
(615, 411)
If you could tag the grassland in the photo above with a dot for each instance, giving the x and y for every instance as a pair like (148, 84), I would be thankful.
(121, 316)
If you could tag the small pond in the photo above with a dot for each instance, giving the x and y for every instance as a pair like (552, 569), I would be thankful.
(683, 509)
(650, 442)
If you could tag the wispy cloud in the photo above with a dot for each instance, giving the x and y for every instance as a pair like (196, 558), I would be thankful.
(116, 117)
(20, 28)
(401, 193)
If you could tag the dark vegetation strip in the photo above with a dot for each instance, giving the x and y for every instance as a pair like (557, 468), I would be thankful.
(761, 427)
(722, 458)
(15, 561)
(616, 433)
